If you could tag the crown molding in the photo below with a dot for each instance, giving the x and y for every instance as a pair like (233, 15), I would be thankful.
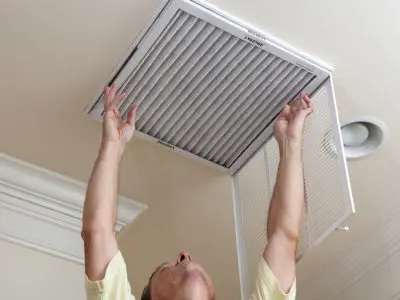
(42, 210)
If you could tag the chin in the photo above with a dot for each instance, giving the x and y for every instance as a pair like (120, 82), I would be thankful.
(194, 287)
(194, 275)
(195, 279)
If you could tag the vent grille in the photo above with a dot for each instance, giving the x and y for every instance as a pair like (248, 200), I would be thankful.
(208, 92)
(328, 196)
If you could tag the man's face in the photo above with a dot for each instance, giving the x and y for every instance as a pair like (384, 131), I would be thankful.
(181, 280)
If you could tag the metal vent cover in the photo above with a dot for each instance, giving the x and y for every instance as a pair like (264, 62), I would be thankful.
(207, 86)
(328, 196)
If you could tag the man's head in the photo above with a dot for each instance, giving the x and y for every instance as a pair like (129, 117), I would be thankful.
(184, 279)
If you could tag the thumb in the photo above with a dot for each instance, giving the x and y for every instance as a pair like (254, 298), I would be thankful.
(301, 117)
(129, 127)
(131, 118)
(127, 132)
(308, 111)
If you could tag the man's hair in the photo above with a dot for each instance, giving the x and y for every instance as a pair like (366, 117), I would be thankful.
(146, 293)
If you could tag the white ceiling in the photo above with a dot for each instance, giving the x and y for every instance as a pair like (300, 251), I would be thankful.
(55, 55)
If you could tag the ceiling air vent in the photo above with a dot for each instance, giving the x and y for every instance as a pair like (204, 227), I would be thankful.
(208, 86)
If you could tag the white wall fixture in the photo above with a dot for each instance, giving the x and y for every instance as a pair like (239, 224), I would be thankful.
(208, 86)
(363, 136)
(42, 210)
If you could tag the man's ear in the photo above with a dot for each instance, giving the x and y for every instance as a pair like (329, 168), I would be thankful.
(146, 295)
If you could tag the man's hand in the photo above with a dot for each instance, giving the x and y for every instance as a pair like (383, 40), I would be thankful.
(290, 123)
(115, 131)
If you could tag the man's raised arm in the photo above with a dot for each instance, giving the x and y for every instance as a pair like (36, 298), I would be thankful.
(100, 208)
(286, 208)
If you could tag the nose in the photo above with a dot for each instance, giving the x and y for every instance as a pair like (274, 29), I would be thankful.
(182, 257)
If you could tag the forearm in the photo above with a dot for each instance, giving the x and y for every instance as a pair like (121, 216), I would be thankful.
(286, 208)
(100, 206)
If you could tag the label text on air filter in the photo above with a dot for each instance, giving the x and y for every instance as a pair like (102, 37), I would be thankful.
(166, 145)
(253, 41)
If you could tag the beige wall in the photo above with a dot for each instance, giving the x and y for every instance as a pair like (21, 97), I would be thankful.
(28, 274)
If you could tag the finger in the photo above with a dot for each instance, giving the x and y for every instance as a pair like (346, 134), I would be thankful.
(306, 98)
(295, 107)
(106, 91)
(113, 90)
(309, 111)
(118, 99)
(122, 96)
(295, 103)
(310, 106)
(117, 116)
(285, 112)
(299, 105)
(132, 115)
(306, 112)
(106, 96)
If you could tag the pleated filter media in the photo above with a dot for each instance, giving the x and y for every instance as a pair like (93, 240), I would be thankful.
(204, 91)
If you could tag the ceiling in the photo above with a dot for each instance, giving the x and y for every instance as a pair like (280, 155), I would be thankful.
(54, 56)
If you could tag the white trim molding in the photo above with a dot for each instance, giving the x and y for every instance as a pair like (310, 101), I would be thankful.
(42, 210)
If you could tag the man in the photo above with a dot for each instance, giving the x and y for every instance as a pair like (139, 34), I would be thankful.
(185, 279)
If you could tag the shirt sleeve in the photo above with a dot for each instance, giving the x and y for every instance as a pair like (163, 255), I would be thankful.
(114, 285)
(267, 286)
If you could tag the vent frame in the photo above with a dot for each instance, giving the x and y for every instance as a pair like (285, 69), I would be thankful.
(250, 207)
(233, 26)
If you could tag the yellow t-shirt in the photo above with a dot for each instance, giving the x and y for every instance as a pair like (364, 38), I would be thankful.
(115, 285)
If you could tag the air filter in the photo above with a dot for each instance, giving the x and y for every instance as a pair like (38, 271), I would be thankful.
(208, 86)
